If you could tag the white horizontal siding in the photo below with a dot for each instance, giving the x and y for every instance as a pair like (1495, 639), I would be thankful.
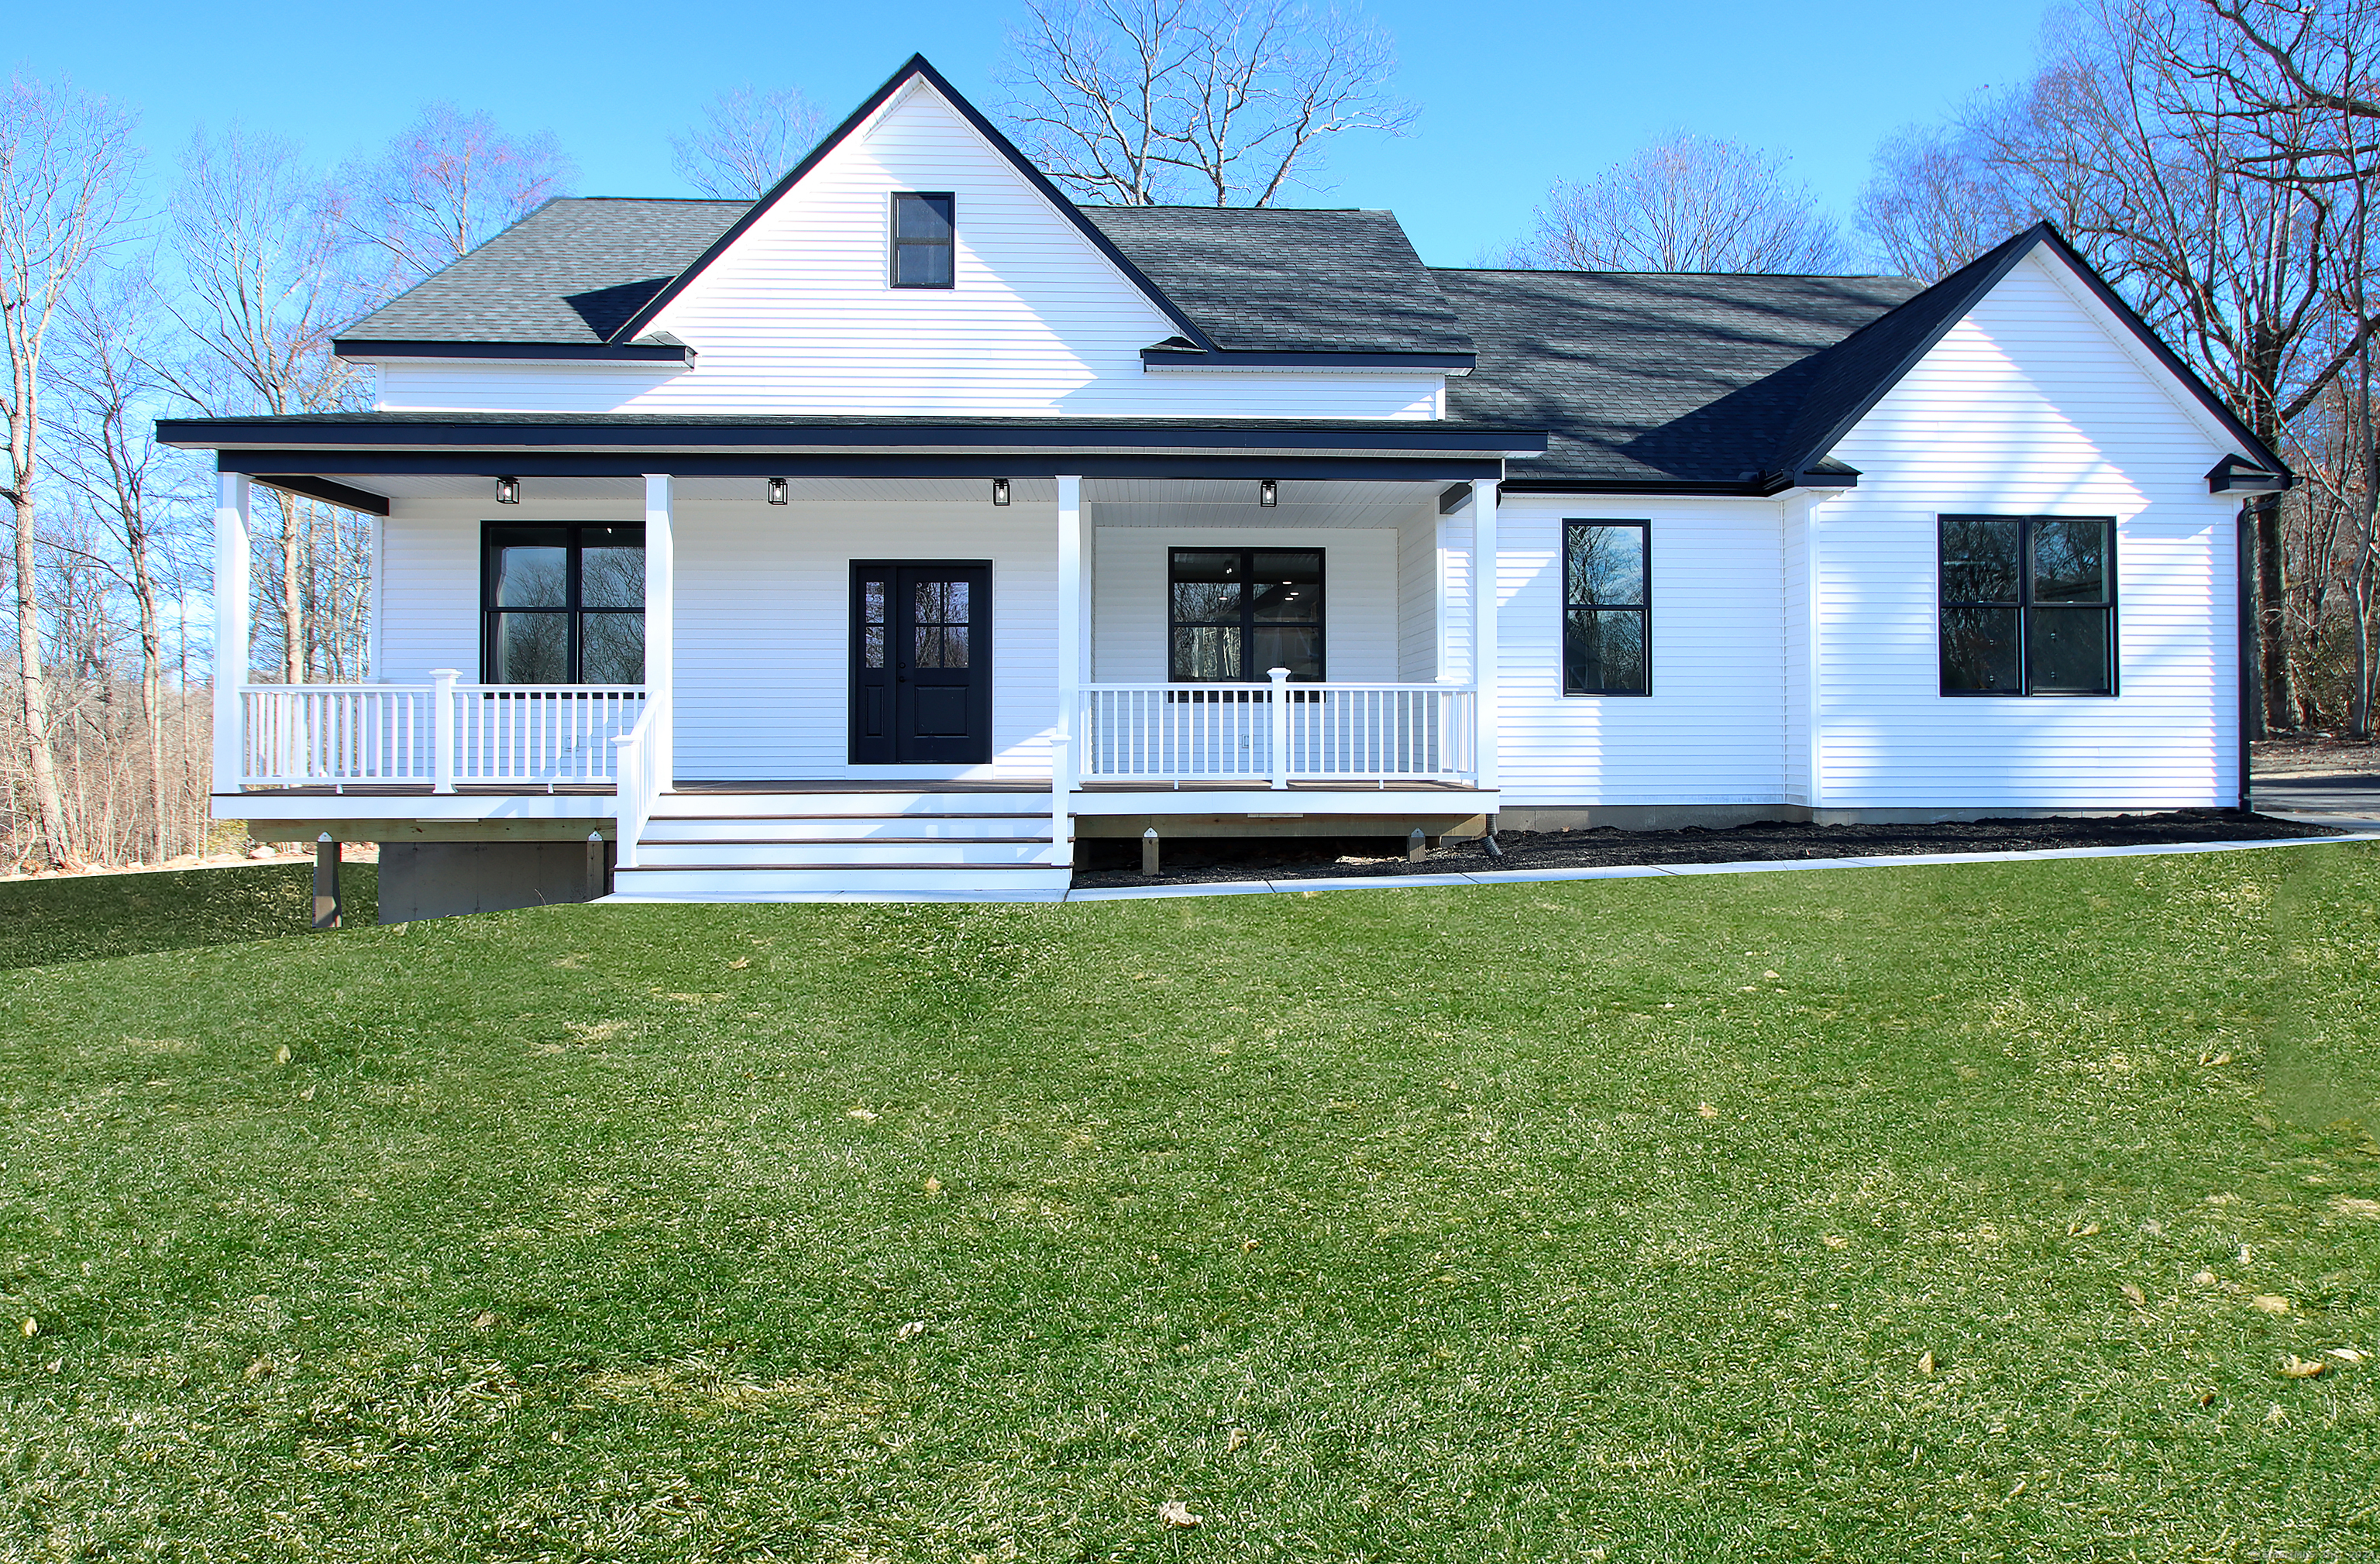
(2029, 407)
(1419, 587)
(1359, 597)
(1712, 730)
(797, 318)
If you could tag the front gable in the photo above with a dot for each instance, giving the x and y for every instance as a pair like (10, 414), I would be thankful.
(790, 312)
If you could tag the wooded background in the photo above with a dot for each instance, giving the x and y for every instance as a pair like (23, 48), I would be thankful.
(2215, 159)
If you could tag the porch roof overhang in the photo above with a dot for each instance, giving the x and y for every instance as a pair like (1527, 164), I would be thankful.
(337, 457)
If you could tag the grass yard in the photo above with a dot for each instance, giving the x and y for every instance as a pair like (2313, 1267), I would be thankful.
(80, 917)
(1906, 1214)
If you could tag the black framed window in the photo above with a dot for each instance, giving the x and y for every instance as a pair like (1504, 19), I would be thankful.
(1235, 612)
(923, 229)
(1606, 608)
(563, 604)
(2028, 605)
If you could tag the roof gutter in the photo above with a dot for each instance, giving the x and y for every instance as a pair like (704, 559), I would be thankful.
(1161, 361)
(386, 350)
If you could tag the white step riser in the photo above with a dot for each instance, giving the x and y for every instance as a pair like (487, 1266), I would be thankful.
(713, 805)
(660, 854)
(695, 885)
(813, 828)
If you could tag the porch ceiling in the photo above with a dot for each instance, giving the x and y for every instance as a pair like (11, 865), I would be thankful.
(1137, 501)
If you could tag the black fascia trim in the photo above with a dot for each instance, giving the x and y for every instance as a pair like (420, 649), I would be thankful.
(573, 352)
(1419, 436)
(1454, 499)
(329, 491)
(2237, 474)
(1752, 489)
(1179, 358)
(514, 463)
(2014, 249)
(917, 66)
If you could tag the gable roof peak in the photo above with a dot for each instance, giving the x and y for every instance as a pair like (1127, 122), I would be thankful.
(917, 68)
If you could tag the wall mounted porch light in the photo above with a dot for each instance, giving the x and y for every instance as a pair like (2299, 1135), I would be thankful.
(778, 491)
(508, 490)
(1000, 490)
(1268, 494)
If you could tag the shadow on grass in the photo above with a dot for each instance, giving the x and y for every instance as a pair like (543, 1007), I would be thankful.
(2325, 998)
(89, 917)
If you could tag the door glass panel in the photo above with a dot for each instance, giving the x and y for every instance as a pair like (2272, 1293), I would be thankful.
(927, 652)
(612, 648)
(1979, 559)
(533, 649)
(1979, 650)
(2070, 562)
(871, 630)
(954, 646)
(533, 576)
(954, 602)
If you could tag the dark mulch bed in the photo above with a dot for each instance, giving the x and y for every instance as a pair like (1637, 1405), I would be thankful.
(1189, 861)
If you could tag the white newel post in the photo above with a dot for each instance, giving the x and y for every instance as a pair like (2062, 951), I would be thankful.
(1066, 765)
(1280, 678)
(1483, 623)
(442, 728)
(231, 626)
(660, 631)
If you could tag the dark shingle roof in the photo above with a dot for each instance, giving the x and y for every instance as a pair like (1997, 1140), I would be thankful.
(1282, 279)
(570, 271)
(1652, 377)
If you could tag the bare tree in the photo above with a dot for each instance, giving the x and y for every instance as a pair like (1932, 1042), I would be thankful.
(67, 162)
(746, 141)
(446, 184)
(125, 483)
(1216, 102)
(266, 253)
(1688, 203)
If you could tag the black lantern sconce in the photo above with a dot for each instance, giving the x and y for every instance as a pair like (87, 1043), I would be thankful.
(1000, 490)
(779, 491)
(1268, 494)
(508, 490)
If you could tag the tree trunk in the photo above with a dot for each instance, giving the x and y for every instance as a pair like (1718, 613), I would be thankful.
(293, 610)
(2280, 707)
(39, 762)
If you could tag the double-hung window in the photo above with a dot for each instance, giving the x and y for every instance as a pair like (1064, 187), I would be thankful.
(1238, 613)
(924, 228)
(1606, 608)
(564, 605)
(2028, 605)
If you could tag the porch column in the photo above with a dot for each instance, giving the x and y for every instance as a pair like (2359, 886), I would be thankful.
(1066, 765)
(231, 625)
(1482, 621)
(661, 642)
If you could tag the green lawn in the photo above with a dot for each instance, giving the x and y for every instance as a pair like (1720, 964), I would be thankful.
(115, 915)
(1783, 1215)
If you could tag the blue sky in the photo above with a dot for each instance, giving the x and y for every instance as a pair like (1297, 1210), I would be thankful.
(1512, 95)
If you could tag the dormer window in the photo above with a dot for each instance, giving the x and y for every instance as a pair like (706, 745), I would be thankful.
(921, 240)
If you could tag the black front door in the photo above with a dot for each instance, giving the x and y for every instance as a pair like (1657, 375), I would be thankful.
(921, 664)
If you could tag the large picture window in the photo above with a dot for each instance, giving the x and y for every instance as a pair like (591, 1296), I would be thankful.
(2028, 605)
(1606, 608)
(1236, 612)
(564, 605)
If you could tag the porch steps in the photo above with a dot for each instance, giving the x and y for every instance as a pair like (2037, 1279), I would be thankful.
(834, 846)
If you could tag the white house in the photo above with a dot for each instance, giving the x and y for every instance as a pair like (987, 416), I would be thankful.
(891, 533)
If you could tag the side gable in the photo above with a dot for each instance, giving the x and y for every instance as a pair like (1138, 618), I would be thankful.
(1848, 380)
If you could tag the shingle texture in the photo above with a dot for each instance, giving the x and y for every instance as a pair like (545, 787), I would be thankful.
(571, 272)
(1278, 280)
(1653, 378)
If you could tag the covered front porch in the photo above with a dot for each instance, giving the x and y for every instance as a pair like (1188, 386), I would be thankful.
(1203, 648)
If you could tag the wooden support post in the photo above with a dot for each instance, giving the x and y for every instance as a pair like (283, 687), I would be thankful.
(326, 882)
(442, 728)
(1280, 697)
(1416, 845)
(1148, 853)
(598, 879)
(231, 630)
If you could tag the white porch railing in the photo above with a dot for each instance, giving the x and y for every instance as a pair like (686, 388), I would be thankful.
(441, 734)
(1269, 735)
